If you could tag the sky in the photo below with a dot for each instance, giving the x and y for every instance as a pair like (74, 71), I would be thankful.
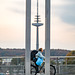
(13, 22)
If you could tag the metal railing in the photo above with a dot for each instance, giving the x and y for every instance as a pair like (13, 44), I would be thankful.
(15, 65)
(12, 70)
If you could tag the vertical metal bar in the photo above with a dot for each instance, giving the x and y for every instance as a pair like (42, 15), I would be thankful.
(47, 37)
(28, 37)
(66, 66)
(66, 61)
(57, 66)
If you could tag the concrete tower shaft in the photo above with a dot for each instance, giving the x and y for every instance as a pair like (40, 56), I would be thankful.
(37, 25)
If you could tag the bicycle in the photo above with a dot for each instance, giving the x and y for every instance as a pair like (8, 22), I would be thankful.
(42, 69)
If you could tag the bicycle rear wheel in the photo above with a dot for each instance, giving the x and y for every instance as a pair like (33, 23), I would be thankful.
(33, 70)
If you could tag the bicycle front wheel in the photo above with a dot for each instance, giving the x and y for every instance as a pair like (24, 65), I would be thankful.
(52, 70)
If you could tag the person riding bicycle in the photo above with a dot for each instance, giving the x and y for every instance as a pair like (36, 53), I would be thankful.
(37, 57)
(39, 61)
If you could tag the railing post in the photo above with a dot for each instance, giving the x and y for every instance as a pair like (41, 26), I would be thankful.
(57, 65)
(28, 37)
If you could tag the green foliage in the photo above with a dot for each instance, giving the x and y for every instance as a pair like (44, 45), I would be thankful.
(71, 60)
(21, 52)
(17, 61)
(52, 62)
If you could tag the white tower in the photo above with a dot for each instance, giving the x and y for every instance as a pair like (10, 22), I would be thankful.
(37, 25)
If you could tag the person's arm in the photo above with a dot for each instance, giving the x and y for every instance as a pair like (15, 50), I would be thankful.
(41, 56)
(37, 55)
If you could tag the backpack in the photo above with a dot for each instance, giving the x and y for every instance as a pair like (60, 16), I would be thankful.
(33, 54)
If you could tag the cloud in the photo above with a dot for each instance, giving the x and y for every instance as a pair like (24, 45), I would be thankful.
(62, 34)
(15, 10)
(17, 6)
(11, 24)
(66, 12)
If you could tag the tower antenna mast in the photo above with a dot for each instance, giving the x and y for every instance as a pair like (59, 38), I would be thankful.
(37, 26)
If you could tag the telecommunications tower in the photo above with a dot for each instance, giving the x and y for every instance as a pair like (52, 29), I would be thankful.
(37, 26)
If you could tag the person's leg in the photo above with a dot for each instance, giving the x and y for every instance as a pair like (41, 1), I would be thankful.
(37, 68)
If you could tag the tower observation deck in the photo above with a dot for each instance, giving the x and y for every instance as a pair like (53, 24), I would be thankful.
(37, 24)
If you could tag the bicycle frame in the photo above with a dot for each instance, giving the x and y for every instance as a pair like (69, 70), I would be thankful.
(41, 68)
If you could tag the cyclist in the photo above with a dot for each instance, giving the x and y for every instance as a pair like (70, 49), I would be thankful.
(39, 55)
(35, 55)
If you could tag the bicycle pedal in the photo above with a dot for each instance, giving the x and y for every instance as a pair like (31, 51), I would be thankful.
(40, 71)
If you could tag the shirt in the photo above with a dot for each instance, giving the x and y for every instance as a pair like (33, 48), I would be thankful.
(39, 54)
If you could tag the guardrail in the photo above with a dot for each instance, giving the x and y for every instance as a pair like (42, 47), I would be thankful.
(15, 65)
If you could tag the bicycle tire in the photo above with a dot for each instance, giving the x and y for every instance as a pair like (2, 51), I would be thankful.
(52, 70)
(33, 70)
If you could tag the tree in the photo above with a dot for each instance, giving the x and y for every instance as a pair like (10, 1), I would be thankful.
(17, 61)
(71, 60)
